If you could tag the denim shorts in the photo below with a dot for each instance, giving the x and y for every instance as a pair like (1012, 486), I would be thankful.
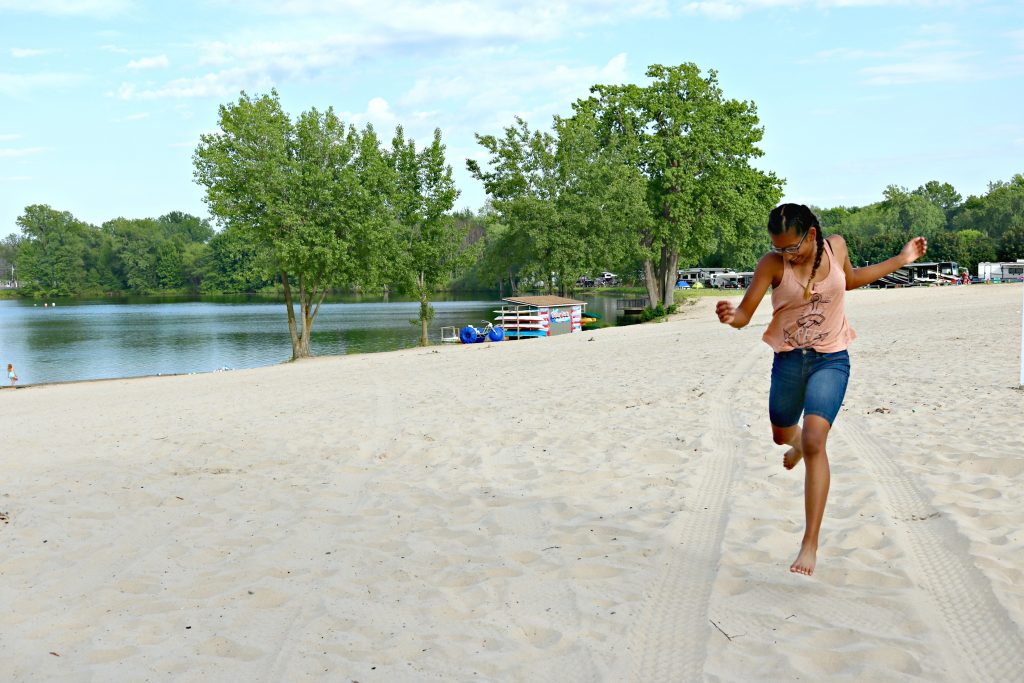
(806, 381)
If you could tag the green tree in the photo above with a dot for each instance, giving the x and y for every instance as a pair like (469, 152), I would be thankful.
(51, 254)
(1011, 245)
(911, 214)
(431, 251)
(196, 265)
(169, 266)
(312, 194)
(134, 250)
(1001, 208)
(183, 227)
(966, 247)
(236, 263)
(942, 195)
(693, 147)
(9, 257)
(565, 198)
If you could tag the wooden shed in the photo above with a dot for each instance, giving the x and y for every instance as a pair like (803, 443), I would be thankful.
(540, 316)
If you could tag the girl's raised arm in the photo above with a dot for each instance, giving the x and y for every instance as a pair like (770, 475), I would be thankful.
(858, 277)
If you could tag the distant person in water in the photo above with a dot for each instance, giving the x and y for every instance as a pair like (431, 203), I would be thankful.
(809, 277)
(12, 375)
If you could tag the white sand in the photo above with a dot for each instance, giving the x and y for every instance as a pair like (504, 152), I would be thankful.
(603, 506)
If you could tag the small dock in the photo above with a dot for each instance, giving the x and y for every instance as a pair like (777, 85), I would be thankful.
(632, 306)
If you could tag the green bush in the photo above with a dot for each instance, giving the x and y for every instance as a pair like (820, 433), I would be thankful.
(658, 311)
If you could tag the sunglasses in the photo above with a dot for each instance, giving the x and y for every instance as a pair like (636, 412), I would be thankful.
(792, 249)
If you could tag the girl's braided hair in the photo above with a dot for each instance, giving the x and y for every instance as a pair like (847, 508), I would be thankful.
(799, 219)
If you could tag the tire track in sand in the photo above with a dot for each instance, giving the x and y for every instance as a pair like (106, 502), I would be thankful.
(669, 643)
(988, 644)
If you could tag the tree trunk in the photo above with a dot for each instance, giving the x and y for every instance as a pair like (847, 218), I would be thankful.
(660, 278)
(651, 282)
(421, 289)
(424, 339)
(300, 347)
(670, 260)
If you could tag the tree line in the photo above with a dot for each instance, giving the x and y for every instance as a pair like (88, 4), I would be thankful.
(57, 254)
(640, 179)
(989, 227)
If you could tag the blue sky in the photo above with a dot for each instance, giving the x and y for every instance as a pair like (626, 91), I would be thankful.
(102, 101)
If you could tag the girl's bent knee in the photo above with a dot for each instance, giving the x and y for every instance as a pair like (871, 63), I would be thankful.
(783, 435)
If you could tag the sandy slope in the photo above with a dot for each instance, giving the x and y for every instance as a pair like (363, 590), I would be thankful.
(605, 506)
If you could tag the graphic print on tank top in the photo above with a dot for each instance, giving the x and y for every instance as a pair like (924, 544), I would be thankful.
(807, 330)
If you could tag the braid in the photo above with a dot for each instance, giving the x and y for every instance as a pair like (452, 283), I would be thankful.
(800, 219)
(820, 244)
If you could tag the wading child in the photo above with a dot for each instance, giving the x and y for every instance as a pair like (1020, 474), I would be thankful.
(809, 277)
(11, 374)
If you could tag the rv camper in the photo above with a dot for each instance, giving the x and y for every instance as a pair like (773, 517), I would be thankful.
(1004, 271)
(705, 276)
(919, 274)
(732, 280)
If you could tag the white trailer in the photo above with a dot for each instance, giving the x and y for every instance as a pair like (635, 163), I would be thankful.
(705, 276)
(732, 280)
(1001, 271)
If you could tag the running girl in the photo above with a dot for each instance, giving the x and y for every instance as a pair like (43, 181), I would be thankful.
(809, 277)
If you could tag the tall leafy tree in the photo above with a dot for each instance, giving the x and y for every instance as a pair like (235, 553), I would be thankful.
(236, 263)
(909, 213)
(966, 247)
(564, 197)
(311, 193)
(9, 257)
(997, 211)
(942, 195)
(1011, 244)
(51, 254)
(694, 147)
(432, 241)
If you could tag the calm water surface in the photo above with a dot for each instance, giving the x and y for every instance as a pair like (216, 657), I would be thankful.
(80, 339)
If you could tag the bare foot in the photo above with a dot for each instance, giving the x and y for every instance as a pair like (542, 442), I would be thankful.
(804, 563)
(792, 457)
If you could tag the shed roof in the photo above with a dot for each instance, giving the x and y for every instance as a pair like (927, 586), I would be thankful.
(542, 301)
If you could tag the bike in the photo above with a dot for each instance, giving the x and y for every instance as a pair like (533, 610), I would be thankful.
(471, 334)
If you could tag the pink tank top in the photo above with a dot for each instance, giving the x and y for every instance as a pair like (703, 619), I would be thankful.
(819, 322)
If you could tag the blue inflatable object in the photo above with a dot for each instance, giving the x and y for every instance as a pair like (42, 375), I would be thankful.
(468, 335)
(496, 334)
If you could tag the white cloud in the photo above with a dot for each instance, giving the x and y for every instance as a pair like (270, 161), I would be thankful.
(100, 8)
(132, 117)
(734, 9)
(937, 68)
(254, 65)
(9, 137)
(25, 52)
(158, 62)
(378, 112)
(222, 84)
(13, 153)
(18, 85)
(479, 20)
(715, 10)
(488, 94)
(521, 76)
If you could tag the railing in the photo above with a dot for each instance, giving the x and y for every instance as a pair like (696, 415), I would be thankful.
(632, 304)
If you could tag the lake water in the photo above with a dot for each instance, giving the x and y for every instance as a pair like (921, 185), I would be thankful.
(85, 339)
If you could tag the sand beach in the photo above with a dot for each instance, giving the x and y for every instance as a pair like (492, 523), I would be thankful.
(606, 506)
